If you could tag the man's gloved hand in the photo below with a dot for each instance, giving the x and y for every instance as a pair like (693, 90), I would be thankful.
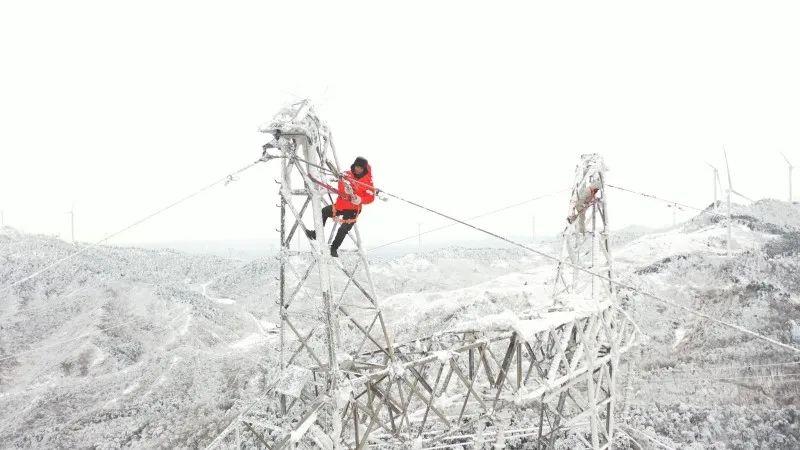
(349, 189)
(354, 199)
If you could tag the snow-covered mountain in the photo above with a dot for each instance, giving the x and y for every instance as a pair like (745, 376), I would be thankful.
(118, 346)
(698, 383)
(147, 348)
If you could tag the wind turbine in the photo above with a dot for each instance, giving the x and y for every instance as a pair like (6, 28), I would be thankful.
(715, 182)
(730, 186)
(790, 176)
(730, 191)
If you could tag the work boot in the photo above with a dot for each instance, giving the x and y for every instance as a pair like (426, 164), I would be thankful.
(334, 253)
(312, 234)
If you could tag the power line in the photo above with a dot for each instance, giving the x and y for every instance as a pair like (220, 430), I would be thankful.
(234, 422)
(745, 377)
(72, 296)
(648, 437)
(85, 335)
(618, 283)
(569, 263)
(495, 211)
(485, 231)
(630, 438)
(56, 344)
(58, 302)
(62, 300)
(724, 368)
(164, 327)
(138, 222)
(682, 205)
(485, 214)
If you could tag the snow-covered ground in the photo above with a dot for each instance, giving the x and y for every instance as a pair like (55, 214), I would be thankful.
(147, 348)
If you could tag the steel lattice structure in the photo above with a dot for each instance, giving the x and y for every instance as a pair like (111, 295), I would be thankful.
(344, 383)
(585, 246)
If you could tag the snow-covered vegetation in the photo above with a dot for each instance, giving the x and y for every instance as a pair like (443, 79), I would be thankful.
(148, 348)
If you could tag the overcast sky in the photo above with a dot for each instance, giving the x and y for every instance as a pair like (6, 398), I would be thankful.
(122, 108)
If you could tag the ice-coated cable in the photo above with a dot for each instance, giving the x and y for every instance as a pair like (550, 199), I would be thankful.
(682, 205)
(648, 437)
(583, 269)
(134, 224)
(488, 213)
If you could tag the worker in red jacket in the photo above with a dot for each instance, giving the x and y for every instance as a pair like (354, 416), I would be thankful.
(355, 190)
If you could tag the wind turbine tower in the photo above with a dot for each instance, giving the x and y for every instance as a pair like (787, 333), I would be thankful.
(730, 191)
(790, 176)
(715, 182)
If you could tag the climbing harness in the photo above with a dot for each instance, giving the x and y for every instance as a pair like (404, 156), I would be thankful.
(343, 220)
(333, 207)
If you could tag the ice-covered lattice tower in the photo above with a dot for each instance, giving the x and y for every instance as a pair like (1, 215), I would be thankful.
(585, 239)
(344, 383)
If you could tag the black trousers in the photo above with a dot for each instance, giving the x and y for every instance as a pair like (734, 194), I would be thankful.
(344, 228)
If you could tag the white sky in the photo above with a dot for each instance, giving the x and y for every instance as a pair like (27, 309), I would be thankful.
(124, 107)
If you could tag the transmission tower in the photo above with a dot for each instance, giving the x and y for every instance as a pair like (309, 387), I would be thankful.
(584, 247)
(344, 383)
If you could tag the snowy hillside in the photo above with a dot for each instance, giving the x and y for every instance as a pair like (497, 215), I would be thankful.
(696, 382)
(125, 346)
(128, 346)
(118, 346)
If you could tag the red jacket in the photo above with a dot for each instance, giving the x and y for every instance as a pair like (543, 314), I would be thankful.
(361, 186)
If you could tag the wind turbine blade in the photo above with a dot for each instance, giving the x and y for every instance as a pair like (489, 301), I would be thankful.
(786, 159)
(727, 168)
(743, 196)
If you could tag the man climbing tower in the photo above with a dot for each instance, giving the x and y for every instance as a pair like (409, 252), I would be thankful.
(355, 190)
(585, 196)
